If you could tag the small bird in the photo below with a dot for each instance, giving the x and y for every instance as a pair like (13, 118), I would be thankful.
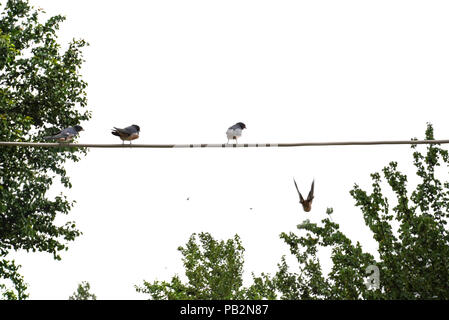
(129, 133)
(235, 131)
(66, 135)
(306, 204)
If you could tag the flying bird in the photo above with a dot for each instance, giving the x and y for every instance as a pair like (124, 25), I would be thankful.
(129, 133)
(66, 135)
(306, 204)
(235, 131)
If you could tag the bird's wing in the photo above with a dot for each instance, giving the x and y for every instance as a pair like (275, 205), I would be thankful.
(300, 195)
(70, 131)
(310, 196)
(130, 129)
(62, 134)
(124, 131)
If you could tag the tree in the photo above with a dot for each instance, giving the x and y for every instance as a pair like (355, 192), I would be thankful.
(9, 271)
(213, 268)
(83, 292)
(347, 279)
(40, 90)
(413, 241)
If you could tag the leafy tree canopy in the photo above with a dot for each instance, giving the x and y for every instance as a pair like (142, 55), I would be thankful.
(83, 292)
(41, 91)
(213, 269)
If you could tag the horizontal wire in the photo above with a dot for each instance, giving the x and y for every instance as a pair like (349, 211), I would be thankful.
(223, 145)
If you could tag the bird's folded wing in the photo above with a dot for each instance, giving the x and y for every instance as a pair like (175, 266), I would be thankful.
(131, 129)
(123, 131)
(62, 134)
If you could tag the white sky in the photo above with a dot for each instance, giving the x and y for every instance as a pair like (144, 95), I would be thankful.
(184, 71)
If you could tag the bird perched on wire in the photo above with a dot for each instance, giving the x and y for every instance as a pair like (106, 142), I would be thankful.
(66, 135)
(306, 204)
(129, 133)
(235, 131)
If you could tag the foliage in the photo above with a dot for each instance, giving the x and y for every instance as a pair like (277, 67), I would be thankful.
(41, 91)
(9, 270)
(83, 292)
(347, 278)
(213, 269)
(413, 241)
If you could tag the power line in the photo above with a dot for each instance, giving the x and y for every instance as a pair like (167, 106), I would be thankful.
(223, 145)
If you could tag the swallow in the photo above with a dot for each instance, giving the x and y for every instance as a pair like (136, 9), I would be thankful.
(129, 133)
(235, 131)
(306, 204)
(66, 135)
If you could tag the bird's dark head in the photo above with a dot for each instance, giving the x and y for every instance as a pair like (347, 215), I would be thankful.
(137, 127)
(242, 125)
(78, 128)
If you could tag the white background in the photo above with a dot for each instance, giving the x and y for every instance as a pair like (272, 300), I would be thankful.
(184, 71)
